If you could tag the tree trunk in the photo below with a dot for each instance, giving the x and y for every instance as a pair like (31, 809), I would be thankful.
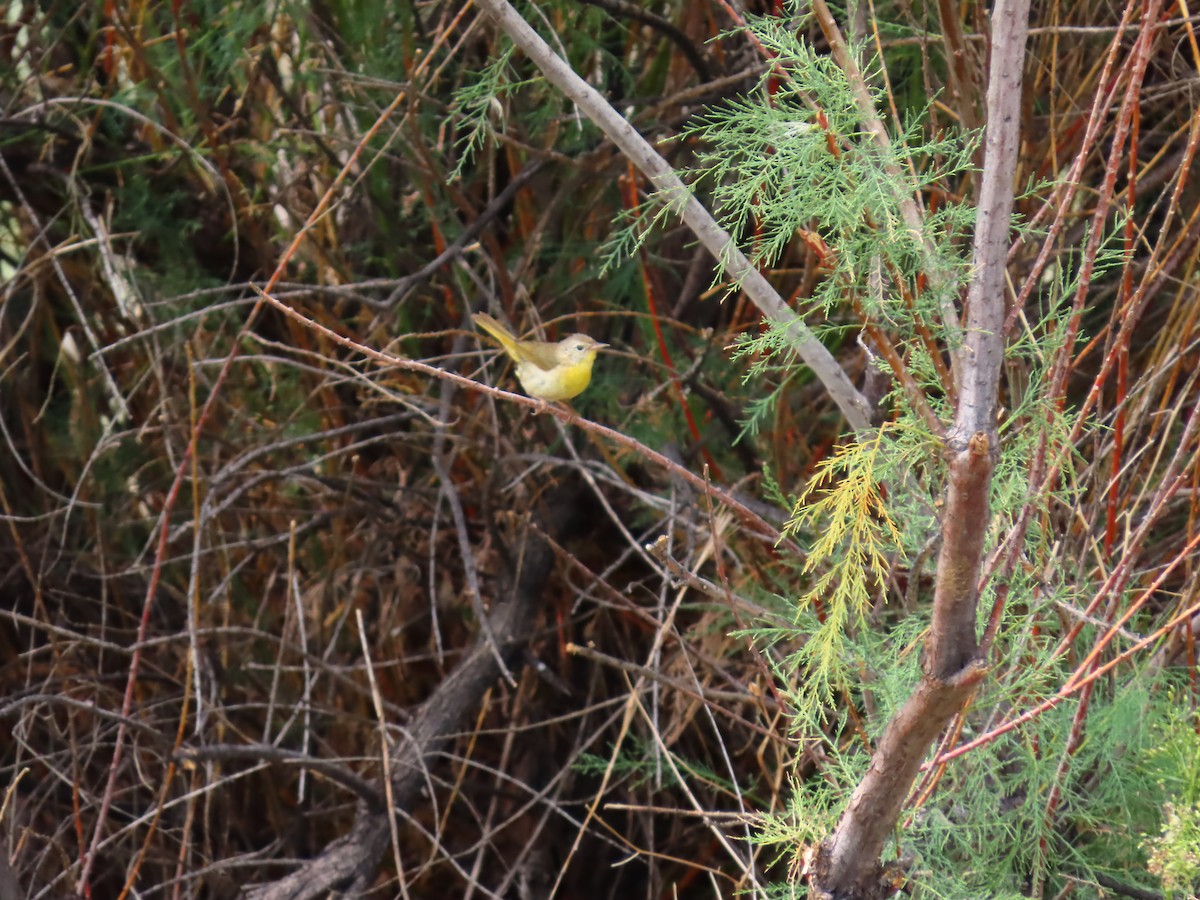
(848, 864)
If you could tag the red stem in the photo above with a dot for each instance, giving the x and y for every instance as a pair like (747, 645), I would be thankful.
(629, 191)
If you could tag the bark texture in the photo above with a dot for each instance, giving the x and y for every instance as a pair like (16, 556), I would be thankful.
(848, 864)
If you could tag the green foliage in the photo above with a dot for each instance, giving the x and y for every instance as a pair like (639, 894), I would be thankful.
(800, 160)
(810, 815)
(994, 836)
(853, 531)
(1174, 763)
(476, 101)
(985, 832)
(797, 161)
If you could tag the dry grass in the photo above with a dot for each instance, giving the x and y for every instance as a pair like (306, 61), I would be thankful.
(232, 546)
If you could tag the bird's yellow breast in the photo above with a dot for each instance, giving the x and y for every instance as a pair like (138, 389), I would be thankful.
(562, 382)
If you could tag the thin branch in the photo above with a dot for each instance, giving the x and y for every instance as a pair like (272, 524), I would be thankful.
(678, 196)
(499, 203)
(355, 857)
(848, 865)
(983, 348)
(658, 23)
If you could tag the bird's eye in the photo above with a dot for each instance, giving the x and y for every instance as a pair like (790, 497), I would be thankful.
(580, 347)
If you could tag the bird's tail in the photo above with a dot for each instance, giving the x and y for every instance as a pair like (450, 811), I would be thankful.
(507, 339)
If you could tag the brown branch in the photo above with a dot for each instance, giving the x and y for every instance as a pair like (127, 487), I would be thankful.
(847, 866)
(675, 194)
(951, 644)
(658, 23)
(354, 858)
(962, 82)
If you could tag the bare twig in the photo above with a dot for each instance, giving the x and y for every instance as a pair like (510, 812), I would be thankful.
(356, 855)
(678, 196)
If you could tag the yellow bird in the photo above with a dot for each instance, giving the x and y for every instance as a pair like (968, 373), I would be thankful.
(547, 370)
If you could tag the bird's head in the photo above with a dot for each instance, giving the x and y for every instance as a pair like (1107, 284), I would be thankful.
(578, 348)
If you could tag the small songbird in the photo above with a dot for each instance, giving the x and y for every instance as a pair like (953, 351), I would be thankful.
(548, 370)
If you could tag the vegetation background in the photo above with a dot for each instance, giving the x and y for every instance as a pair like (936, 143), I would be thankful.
(283, 611)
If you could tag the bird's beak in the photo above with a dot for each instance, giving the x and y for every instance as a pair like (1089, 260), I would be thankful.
(599, 346)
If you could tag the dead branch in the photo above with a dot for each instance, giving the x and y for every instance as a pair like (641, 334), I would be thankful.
(350, 863)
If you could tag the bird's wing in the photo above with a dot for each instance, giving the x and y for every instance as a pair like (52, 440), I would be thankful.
(542, 355)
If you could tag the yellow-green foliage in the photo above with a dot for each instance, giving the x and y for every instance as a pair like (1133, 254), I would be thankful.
(843, 513)
(852, 523)
(1175, 852)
